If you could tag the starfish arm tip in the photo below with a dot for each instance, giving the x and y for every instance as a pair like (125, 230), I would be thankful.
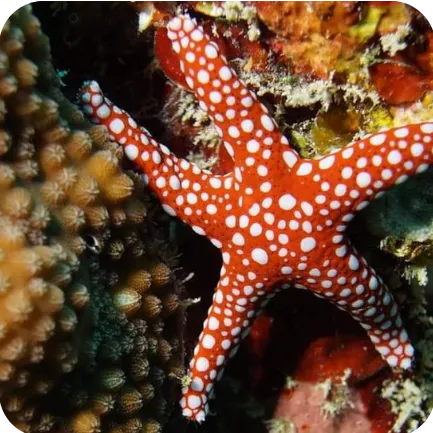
(364, 170)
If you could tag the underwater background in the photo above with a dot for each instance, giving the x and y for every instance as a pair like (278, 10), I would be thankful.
(103, 295)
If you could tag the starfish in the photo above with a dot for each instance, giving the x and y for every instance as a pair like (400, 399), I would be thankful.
(279, 220)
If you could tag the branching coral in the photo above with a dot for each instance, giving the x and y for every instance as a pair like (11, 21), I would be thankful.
(90, 310)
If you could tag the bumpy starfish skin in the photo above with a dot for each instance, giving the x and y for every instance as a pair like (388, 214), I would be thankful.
(278, 219)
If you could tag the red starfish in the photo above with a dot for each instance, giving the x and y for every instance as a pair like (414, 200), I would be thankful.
(277, 218)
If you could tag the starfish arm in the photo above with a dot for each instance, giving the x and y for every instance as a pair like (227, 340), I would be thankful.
(241, 120)
(185, 191)
(350, 178)
(347, 281)
(236, 303)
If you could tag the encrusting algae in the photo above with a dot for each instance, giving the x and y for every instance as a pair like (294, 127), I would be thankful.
(91, 315)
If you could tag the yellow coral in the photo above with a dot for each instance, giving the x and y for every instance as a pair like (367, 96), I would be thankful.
(86, 336)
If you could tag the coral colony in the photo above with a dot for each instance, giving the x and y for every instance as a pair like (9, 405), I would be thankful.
(279, 220)
(90, 317)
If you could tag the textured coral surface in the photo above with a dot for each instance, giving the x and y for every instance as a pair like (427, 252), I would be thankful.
(90, 312)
